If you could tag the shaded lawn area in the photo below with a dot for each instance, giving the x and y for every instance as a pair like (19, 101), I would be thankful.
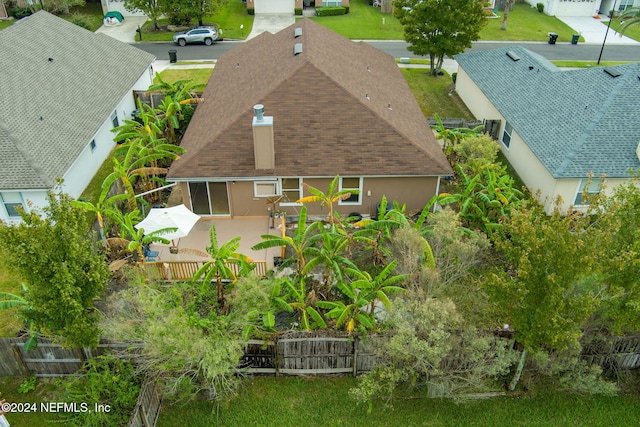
(46, 391)
(325, 401)
(5, 24)
(199, 75)
(633, 32)
(526, 23)
(363, 22)
(10, 323)
(435, 95)
(229, 19)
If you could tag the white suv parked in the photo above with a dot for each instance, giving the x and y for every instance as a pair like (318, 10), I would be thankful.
(206, 35)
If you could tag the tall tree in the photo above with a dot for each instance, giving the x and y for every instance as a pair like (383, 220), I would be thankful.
(542, 291)
(151, 8)
(64, 273)
(439, 27)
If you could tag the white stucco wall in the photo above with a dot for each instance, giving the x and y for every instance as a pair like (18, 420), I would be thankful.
(32, 199)
(568, 8)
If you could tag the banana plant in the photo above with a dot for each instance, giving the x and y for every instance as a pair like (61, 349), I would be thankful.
(378, 288)
(451, 137)
(298, 300)
(330, 252)
(218, 268)
(353, 314)
(300, 243)
(327, 199)
(9, 301)
(136, 238)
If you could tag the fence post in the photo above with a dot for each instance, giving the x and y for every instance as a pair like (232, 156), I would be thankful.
(355, 356)
(80, 354)
(18, 355)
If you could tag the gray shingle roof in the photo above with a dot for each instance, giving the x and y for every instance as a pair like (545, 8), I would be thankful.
(51, 109)
(574, 121)
(324, 124)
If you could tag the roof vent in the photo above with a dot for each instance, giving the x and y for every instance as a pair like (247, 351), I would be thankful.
(50, 59)
(514, 57)
(612, 72)
(297, 32)
(258, 110)
(297, 49)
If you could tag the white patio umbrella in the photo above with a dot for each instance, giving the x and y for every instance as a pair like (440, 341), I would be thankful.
(178, 217)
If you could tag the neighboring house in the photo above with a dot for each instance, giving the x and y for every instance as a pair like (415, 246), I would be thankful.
(331, 107)
(287, 7)
(582, 8)
(118, 6)
(63, 89)
(556, 127)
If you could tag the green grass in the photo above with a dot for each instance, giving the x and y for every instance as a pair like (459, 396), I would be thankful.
(633, 32)
(229, 19)
(363, 22)
(46, 391)
(525, 23)
(324, 401)
(5, 24)
(10, 324)
(199, 75)
(90, 13)
(434, 94)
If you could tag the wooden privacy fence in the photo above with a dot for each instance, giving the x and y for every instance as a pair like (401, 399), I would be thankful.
(184, 270)
(300, 353)
(147, 409)
(620, 352)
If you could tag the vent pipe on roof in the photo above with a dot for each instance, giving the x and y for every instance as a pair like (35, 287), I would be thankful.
(258, 110)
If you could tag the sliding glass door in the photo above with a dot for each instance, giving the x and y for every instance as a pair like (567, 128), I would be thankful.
(209, 198)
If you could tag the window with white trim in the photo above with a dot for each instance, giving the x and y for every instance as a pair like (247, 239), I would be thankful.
(586, 190)
(354, 185)
(291, 190)
(265, 188)
(331, 3)
(506, 134)
(114, 119)
(12, 201)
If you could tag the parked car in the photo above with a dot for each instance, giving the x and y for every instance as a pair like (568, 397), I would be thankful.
(207, 35)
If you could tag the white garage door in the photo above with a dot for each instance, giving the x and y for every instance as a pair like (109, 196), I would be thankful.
(280, 7)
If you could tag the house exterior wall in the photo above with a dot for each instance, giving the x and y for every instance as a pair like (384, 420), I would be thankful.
(32, 199)
(568, 7)
(320, 3)
(415, 192)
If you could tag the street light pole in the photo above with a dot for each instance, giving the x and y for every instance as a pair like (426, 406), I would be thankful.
(613, 11)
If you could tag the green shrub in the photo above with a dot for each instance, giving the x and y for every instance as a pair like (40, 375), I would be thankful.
(454, 76)
(540, 7)
(20, 12)
(346, 10)
(251, 11)
(80, 22)
(298, 11)
(108, 381)
(330, 11)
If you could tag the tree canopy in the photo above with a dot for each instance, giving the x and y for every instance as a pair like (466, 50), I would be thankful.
(439, 27)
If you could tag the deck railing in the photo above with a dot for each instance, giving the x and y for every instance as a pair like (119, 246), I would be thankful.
(185, 270)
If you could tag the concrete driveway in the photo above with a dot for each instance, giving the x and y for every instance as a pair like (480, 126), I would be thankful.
(270, 23)
(593, 30)
(127, 31)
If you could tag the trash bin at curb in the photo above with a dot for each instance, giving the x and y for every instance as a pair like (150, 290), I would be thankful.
(574, 38)
(173, 56)
(553, 37)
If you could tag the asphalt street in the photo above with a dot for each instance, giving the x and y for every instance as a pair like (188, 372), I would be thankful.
(398, 49)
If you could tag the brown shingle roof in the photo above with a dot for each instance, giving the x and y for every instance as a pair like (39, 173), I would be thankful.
(323, 122)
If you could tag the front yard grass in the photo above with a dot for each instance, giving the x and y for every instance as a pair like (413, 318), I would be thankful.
(633, 32)
(199, 75)
(363, 22)
(527, 24)
(229, 19)
(294, 401)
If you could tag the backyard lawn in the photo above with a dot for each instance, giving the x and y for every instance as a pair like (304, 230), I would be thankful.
(295, 401)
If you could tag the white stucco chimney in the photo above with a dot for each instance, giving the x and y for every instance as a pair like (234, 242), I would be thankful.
(263, 146)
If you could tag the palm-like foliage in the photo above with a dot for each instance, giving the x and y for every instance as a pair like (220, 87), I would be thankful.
(631, 17)
(484, 198)
(9, 301)
(327, 199)
(136, 238)
(297, 299)
(218, 268)
(352, 314)
(378, 288)
(331, 253)
(300, 243)
(451, 137)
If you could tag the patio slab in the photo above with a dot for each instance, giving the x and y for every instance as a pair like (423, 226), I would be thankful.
(249, 229)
